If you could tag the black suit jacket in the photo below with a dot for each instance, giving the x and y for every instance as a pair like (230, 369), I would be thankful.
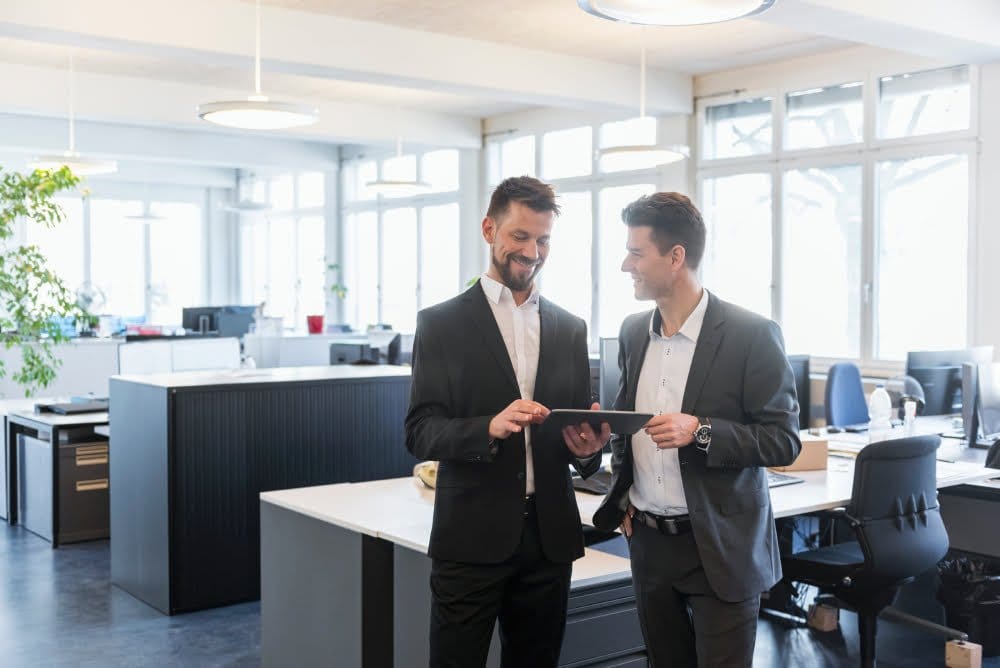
(462, 377)
(741, 381)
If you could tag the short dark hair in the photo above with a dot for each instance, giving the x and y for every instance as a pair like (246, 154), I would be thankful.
(527, 190)
(675, 221)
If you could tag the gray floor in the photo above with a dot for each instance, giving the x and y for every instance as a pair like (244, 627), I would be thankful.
(58, 608)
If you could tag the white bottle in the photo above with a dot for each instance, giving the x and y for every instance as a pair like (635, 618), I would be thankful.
(909, 417)
(880, 413)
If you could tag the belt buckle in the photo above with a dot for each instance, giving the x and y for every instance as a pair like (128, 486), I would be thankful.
(667, 525)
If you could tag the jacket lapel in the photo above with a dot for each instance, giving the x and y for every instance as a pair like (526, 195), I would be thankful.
(482, 315)
(636, 352)
(704, 353)
(548, 339)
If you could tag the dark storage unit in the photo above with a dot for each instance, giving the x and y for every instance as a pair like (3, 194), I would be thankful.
(192, 456)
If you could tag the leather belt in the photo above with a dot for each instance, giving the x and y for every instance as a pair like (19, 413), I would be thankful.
(668, 526)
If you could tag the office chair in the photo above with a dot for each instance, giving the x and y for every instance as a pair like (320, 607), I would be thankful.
(845, 396)
(897, 522)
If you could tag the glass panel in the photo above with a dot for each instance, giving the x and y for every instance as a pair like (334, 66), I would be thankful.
(176, 265)
(312, 266)
(566, 276)
(439, 279)
(737, 262)
(617, 296)
(360, 269)
(62, 245)
(399, 269)
(363, 173)
(737, 129)
(281, 274)
(820, 117)
(821, 291)
(117, 256)
(924, 102)
(283, 192)
(253, 261)
(922, 255)
(633, 132)
(311, 189)
(493, 167)
(567, 153)
(517, 157)
(440, 170)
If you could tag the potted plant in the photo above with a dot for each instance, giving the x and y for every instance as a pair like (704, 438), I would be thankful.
(32, 296)
(335, 288)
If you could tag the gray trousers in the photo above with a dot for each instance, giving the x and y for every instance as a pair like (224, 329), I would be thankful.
(683, 622)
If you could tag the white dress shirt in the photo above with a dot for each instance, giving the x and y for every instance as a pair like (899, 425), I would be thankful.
(657, 486)
(520, 328)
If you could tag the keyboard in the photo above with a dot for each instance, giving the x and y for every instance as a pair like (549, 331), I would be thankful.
(775, 479)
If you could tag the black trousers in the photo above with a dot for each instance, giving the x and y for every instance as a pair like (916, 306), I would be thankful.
(527, 593)
(683, 622)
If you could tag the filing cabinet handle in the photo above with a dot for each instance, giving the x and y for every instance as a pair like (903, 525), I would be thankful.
(91, 455)
(91, 485)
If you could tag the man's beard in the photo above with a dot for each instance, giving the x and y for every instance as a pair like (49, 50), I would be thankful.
(512, 281)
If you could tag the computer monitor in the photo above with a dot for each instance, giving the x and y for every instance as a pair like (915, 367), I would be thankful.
(800, 369)
(610, 375)
(989, 401)
(350, 353)
(235, 320)
(201, 319)
(939, 373)
(386, 344)
(970, 401)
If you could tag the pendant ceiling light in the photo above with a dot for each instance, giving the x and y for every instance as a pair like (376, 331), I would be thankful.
(78, 164)
(258, 112)
(147, 215)
(674, 12)
(398, 187)
(651, 154)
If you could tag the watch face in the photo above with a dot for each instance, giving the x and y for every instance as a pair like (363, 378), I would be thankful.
(704, 434)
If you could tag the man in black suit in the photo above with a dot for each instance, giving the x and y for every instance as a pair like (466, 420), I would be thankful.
(690, 489)
(487, 367)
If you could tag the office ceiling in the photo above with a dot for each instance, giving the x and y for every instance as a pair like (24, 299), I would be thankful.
(427, 69)
(559, 26)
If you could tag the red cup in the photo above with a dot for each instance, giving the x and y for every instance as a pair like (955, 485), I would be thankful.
(315, 324)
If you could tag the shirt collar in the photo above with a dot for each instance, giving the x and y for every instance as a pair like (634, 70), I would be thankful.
(497, 291)
(691, 327)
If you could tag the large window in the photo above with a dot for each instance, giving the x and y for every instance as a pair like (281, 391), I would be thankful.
(831, 230)
(282, 252)
(139, 257)
(400, 252)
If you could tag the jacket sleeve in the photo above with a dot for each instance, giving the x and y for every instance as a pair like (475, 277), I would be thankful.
(432, 431)
(582, 396)
(770, 436)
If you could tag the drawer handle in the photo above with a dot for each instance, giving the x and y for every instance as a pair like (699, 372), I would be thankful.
(91, 485)
(91, 460)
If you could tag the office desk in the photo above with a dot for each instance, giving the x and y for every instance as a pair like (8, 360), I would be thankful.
(193, 451)
(45, 430)
(344, 569)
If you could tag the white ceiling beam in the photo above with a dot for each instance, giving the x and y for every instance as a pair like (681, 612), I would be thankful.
(43, 91)
(959, 31)
(319, 45)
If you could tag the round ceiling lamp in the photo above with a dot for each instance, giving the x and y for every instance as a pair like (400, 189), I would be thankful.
(398, 187)
(78, 164)
(258, 112)
(674, 12)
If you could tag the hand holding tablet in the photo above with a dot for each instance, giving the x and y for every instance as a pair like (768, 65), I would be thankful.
(621, 422)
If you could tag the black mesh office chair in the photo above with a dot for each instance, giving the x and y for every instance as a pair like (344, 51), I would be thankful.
(897, 522)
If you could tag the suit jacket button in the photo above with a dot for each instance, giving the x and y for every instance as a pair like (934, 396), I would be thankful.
(520, 475)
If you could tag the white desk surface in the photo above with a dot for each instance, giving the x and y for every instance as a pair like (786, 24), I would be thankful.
(275, 375)
(400, 510)
(56, 420)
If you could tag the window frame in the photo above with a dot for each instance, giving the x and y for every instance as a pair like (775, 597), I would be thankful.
(867, 154)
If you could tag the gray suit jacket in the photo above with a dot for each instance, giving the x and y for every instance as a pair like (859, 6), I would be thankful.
(741, 381)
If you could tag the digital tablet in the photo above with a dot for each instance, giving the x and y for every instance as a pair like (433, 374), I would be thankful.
(622, 422)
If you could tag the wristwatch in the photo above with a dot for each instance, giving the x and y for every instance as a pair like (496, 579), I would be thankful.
(703, 434)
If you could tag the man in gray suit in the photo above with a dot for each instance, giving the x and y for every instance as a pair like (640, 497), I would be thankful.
(690, 490)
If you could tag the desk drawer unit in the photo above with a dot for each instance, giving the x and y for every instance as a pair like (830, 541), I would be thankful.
(83, 492)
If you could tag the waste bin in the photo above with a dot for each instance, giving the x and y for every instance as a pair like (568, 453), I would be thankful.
(970, 594)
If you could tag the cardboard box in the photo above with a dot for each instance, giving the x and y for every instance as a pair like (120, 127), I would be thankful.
(811, 458)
